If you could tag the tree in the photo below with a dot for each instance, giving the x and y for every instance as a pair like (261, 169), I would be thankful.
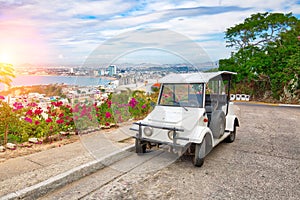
(6, 73)
(259, 30)
(266, 47)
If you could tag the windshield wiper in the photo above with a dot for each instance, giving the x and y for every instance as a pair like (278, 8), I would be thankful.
(179, 104)
(184, 108)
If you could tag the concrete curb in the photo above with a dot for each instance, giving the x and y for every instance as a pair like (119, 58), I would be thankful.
(60, 180)
(267, 104)
(290, 105)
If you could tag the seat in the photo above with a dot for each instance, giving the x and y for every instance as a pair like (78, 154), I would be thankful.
(195, 99)
(208, 107)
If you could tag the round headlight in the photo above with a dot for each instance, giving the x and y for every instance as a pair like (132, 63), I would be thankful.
(171, 134)
(148, 131)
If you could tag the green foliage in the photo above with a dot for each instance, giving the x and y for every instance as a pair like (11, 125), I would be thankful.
(105, 113)
(259, 30)
(139, 104)
(119, 106)
(8, 121)
(22, 121)
(6, 73)
(267, 56)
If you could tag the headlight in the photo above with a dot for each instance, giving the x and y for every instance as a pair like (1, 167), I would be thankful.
(148, 131)
(171, 134)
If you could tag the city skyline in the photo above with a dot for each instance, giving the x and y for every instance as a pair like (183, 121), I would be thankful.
(67, 32)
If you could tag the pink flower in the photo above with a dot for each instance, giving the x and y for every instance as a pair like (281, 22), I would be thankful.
(107, 115)
(83, 112)
(60, 121)
(108, 103)
(37, 122)
(18, 106)
(2, 97)
(133, 102)
(32, 104)
(48, 120)
(144, 106)
(61, 115)
(57, 104)
(38, 111)
(76, 108)
(28, 119)
(89, 109)
(29, 112)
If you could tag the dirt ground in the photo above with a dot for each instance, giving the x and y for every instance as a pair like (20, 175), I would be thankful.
(27, 148)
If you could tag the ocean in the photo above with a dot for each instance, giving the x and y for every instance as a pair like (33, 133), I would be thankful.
(28, 80)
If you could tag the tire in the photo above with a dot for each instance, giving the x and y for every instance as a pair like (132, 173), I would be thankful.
(217, 123)
(140, 147)
(200, 152)
(231, 136)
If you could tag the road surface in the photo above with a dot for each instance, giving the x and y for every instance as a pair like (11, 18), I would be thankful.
(262, 163)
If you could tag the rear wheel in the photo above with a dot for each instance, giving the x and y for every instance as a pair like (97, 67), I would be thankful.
(140, 146)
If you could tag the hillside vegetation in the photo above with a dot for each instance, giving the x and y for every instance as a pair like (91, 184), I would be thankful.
(266, 57)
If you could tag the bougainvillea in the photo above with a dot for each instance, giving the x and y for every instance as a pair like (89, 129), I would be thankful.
(27, 119)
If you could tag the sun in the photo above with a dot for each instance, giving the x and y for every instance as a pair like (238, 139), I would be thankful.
(5, 58)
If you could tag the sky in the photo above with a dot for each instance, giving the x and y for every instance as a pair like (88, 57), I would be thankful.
(67, 32)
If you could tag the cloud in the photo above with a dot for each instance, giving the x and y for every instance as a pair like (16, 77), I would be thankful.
(75, 28)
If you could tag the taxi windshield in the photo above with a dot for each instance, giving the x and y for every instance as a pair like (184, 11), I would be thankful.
(183, 95)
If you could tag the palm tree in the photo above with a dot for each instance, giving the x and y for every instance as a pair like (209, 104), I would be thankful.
(6, 73)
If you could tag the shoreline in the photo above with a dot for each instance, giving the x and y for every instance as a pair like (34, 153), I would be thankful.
(47, 75)
(68, 80)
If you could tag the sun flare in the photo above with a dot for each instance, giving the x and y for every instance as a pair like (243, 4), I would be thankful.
(6, 58)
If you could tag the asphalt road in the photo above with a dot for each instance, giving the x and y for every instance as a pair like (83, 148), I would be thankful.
(262, 163)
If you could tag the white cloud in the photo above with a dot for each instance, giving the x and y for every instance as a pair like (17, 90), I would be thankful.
(75, 28)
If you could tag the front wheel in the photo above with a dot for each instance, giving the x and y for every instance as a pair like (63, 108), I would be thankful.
(140, 147)
(231, 136)
(200, 152)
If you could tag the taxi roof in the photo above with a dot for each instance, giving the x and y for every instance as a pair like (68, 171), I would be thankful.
(198, 77)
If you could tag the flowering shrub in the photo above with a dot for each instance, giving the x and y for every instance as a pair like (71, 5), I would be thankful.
(25, 119)
(9, 120)
(139, 105)
(84, 116)
(104, 113)
(121, 112)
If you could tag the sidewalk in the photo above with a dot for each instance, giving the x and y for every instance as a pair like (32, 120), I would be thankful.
(32, 175)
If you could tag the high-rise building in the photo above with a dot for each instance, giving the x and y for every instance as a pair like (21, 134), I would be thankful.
(112, 70)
